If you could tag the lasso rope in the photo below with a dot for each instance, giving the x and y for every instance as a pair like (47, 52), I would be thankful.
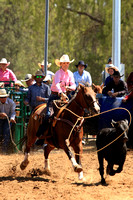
(81, 117)
(15, 145)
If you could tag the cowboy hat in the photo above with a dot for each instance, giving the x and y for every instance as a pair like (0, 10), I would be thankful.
(81, 62)
(42, 63)
(4, 61)
(64, 58)
(111, 66)
(110, 60)
(117, 73)
(19, 83)
(3, 93)
(27, 77)
(38, 73)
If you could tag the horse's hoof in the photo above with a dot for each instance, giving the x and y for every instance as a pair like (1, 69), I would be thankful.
(24, 164)
(103, 182)
(78, 168)
(80, 175)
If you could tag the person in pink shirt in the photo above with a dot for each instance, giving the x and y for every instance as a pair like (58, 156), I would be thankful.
(62, 83)
(5, 73)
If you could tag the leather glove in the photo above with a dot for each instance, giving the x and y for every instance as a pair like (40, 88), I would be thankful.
(64, 97)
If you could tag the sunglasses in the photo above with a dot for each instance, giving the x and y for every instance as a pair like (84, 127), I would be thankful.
(39, 76)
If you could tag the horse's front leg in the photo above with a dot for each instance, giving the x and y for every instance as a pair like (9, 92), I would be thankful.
(78, 151)
(76, 166)
(25, 162)
(47, 150)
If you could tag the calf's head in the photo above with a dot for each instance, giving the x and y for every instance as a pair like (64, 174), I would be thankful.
(121, 127)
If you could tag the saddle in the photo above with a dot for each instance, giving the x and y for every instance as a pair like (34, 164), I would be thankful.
(39, 112)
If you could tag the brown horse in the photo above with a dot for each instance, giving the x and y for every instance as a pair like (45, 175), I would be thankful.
(63, 129)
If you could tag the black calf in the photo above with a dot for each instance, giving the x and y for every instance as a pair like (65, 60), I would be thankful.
(115, 153)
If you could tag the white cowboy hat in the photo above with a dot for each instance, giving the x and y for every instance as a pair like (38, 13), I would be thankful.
(3, 93)
(64, 58)
(27, 77)
(38, 73)
(19, 83)
(42, 63)
(111, 66)
(4, 61)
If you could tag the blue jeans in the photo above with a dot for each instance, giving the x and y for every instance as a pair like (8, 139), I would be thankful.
(51, 98)
(44, 126)
(5, 135)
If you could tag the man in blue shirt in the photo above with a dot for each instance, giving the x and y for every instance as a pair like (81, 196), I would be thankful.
(39, 92)
(82, 76)
(7, 115)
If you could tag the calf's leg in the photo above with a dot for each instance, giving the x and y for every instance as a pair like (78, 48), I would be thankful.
(101, 168)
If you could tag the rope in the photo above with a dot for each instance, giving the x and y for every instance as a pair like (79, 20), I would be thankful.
(80, 117)
(11, 135)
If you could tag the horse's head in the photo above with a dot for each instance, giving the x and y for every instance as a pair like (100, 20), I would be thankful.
(87, 98)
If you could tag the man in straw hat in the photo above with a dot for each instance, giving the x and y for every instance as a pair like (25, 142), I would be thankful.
(28, 80)
(5, 73)
(117, 85)
(7, 111)
(110, 70)
(39, 92)
(49, 76)
(18, 86)
(63, 81)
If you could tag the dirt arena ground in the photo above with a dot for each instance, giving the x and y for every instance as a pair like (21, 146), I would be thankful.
(63, 183)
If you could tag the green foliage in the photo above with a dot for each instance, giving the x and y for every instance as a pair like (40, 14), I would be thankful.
(80, 28)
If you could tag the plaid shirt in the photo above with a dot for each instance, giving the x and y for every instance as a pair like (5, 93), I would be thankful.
(9, 108)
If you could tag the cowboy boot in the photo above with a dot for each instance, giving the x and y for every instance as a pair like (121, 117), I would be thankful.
(42, 128)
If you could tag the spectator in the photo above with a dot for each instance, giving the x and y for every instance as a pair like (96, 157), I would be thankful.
(18, 86)
(82, 76)
(7, 111)
(103, 72)
(5, 73)
(49, 76)
(130, 87)
(110, 60)
(39, 92)
(119, 86)
(63, 81)
(110, 70)
(29, 80)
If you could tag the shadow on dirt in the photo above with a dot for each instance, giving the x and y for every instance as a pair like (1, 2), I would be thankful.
(89, 184)
(24, 179)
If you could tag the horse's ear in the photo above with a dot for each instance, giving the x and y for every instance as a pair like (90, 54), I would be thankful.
(93, 85)
(102, 86)
(80, 86)
(113, 123)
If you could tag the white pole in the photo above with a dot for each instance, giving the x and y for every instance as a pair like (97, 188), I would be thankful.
(116, 33)
(46, 36)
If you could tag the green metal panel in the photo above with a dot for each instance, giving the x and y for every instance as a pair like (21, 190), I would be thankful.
(23, 113)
